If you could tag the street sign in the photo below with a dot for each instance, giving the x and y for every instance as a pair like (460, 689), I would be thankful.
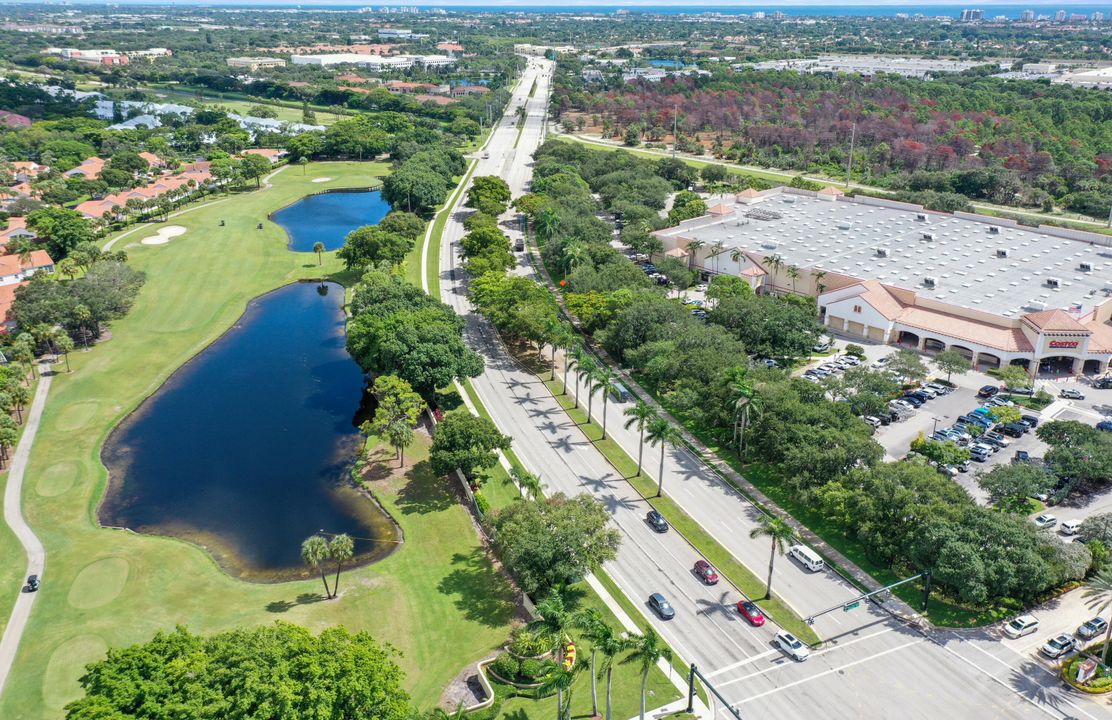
(851, 606)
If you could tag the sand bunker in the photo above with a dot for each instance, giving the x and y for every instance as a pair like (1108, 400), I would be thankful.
(324, 179)
(163, 235)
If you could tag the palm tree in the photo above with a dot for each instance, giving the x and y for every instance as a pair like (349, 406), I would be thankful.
(610, 646)
(595, 629)
(718, 249)
(584, 368)
(780, 533)
(340, 549)
(793, 273)
(1098, 593)
(735, 255)
(746, 404)
(605, 380)
(575, 255)
(554, 620)
(661, 433)
(530, 484)
(820, 286)
(318, 248)
(561, 679)
(548, 222)
(692, 249)
(21, 395)
(561, 335)
(303, 161)
(640, 415)
(314, 551)
(574, 354)
(775, 262)
(67, 268)
(648, 649)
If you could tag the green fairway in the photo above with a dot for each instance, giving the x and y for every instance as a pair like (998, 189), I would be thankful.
(437, 598)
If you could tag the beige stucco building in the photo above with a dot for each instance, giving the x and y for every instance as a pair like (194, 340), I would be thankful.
(998, 292)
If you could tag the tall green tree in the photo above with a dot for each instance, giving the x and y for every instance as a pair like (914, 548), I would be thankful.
(648, 649)
(951, 361)
(340, 549)
(660, 432)
(467, 442)
(555, 541)
(1098, 593)
(780, 534)
(398, 409)
(318, 248)
(595, 630)
(605, 381)
(531, 486)
(610, 645)
(314, 553)
(277, 670)
(640, 415)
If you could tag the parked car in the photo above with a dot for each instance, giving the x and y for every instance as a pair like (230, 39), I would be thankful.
(1014, 430)
(661, 606)
(996, 439)
(913, 401)
(751, 613)
(32, 584)
(1105, 425)
(988, 391)
(706, 572)
(1058, 646)
(939, 388)
(874, 421)
(1029, 420)
(1045, 521)
(880, 363)
(791, 646)
(979, 455)
(1071, 394)
(656, 521)
(1103, 383)
(1021, 456)
(1022, 625)
(1092, 628)
(1069, 527)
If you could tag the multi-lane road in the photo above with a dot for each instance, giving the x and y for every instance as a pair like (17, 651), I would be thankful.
(870, 665)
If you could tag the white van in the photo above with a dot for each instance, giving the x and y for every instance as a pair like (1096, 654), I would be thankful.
(808, 557)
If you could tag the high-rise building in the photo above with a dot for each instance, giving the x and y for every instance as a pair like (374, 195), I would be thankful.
(972, 15)
(1027, 15)
(1060, 16)
(1097, 17)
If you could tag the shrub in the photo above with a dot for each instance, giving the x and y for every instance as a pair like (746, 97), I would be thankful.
(505, 666)
(529, 644)
(532, 669)
(855, 350)
(481, 503)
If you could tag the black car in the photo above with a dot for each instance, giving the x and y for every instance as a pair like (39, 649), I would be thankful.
(32, 583)
(919, 395)
(1029, 420)
(656, 521)
(913, 400)
(988, 391)
(1014, 430)
(661, 606)
(1103, 384)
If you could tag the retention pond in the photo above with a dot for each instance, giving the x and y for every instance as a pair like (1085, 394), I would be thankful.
(246, 450)
(328, 217)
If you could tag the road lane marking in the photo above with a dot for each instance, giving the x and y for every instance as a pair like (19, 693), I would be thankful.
(813, 655)
(746, 661)
(830, 671)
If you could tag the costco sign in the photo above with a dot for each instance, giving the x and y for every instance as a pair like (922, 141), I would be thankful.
(1064, 344)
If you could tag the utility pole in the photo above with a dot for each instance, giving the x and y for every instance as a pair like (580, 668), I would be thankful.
(675, 125)
(1110, 216)
(849, 161)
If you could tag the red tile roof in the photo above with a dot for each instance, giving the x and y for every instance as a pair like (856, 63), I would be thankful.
(1054, 321)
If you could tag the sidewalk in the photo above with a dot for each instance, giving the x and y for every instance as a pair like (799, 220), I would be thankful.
(13, 515)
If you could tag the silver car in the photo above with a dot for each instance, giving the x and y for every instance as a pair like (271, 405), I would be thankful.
(792, 646)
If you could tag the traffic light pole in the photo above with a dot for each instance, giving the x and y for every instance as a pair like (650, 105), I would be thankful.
(691, 675)
(856, 602)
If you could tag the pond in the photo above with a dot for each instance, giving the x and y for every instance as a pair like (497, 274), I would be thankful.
(246, 450)
(329, 216)
(666, 63)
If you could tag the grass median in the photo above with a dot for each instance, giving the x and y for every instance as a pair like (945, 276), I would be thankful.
(736, 573)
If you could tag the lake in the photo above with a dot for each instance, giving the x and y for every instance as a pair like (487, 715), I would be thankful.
(328, 217)
(246, 450)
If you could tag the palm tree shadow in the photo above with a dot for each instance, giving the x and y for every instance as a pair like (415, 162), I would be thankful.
(1023, 682)
(281, 606)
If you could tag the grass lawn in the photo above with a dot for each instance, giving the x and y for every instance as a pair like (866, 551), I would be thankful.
(437, 599)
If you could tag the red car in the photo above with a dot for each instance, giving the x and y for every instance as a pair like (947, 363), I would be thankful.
(751, 612)
(706, 572)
